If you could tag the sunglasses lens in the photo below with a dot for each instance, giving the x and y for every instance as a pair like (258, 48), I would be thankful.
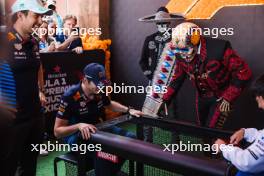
(182, 50)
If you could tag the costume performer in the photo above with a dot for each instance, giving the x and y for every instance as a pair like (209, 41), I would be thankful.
(214, 68)
(151, 56)
(152, 64)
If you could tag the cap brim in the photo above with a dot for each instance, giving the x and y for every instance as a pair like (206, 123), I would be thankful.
(42, 10)
(151, 18)
(103, 82)
(45, 12)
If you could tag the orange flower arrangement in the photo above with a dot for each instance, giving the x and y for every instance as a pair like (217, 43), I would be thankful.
(10, 36)
(92, 42)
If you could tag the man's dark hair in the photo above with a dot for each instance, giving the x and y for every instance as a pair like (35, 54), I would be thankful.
(14, 16)
(258, 87)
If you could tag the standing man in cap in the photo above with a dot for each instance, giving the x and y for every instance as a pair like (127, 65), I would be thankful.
(23, 58)
(81, 107)
(7, 93)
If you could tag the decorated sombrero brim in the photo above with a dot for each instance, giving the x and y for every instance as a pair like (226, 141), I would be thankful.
(161, 17)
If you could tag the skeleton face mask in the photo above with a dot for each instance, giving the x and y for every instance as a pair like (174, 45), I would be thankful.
(186, 38)
(163, 27)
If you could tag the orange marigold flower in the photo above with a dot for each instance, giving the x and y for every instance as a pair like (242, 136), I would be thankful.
(11, 36)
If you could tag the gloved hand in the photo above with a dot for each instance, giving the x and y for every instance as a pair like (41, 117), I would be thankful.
(224, 105)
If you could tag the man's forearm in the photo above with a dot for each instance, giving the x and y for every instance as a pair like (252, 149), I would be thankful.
(115, 106)
(66, 130)
(64, 45)
(241, 159)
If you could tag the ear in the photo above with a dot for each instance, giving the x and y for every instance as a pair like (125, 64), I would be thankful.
(19, 15)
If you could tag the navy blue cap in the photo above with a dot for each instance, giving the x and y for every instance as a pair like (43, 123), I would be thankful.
(96, 73)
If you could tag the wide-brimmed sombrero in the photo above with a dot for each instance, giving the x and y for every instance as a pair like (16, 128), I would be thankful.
(162, 16)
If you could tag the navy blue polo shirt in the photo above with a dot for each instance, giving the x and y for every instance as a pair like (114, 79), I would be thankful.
(7, 86)
(25, 62)
(77, 108)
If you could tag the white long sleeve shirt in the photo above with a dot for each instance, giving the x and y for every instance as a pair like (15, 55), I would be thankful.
(251, 159)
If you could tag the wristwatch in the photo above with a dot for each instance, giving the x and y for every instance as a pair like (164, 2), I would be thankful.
(128, 109)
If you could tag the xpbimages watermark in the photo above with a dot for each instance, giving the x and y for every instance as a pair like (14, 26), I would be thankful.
(128, 89)
(190, 147)
(81, 148)
(40, 32)
(209, 32)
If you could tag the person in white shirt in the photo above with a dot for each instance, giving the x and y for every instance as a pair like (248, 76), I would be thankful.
(250, 161)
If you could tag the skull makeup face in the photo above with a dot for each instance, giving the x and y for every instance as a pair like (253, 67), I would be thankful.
(187, 53)
(163, 27)
(185, 38)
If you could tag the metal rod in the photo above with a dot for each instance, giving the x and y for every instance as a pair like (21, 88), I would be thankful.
(154, 155)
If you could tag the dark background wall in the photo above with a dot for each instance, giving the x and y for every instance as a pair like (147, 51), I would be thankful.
(128, 36)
